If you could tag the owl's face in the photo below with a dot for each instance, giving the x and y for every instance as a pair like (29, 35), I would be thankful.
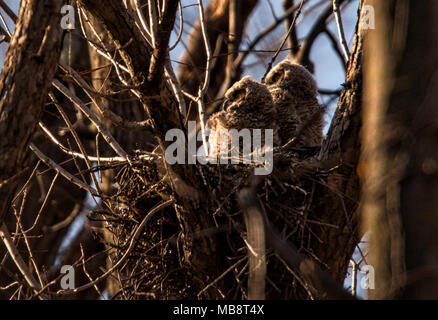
(292, 77)
(248, 105)
(247, 96)
(295, 93)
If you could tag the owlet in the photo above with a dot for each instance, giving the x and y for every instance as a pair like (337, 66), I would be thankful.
(294, 93)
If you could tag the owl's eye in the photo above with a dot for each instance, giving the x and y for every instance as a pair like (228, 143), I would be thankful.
(225, 104)
(237, 95)
(276, 77)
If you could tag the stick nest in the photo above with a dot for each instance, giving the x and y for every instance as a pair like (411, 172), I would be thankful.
(157, 267)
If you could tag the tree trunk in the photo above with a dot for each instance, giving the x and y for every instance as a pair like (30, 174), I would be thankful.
(34, 51)
(400, 143)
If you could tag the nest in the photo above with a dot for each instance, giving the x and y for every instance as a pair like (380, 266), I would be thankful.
(157, 268)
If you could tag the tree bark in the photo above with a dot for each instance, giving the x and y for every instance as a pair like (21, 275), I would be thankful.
(401, 178)
(33, 52)
(337, 197)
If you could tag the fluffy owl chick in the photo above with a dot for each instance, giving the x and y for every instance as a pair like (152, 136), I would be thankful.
(248, 105)
(294, 93)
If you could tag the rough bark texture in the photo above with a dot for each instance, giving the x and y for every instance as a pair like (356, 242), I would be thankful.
(155, 96)
(337, 197)
(28, 70)
(400, 143)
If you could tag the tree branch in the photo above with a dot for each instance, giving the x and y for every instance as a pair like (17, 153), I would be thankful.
(34, 50)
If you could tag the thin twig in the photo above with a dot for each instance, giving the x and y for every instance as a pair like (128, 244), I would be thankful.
(234, 40)
(66, 222)
(239, 61)
(206, 83)
(144, 28)
(52, 164)
(338, 50)
(8, 11)
(26, 241)
(176, 88)
(153, 21)
(221, 276)
(106, 54)
(46, 198)
(18, 260)
(87, 273)
(291, 27)
(293, 38)
(77, 154)
(85, 110)
(27, 182)
(132, 243)
(104, 110)
(6, 25)
(181, 27)
(341, 33)
(318, 27)
(78, 142)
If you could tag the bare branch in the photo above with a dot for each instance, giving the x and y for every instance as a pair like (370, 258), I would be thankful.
(84, 109)
(291, 27)
(66, 150)
(35, 48)
(255, 227)
(320, 279)
(162, 30)
(303, 56)
(18, 260)
(132, 243)
(103, 109)
(8, 11)
(341, 33)
(293, 38)
(203, 89)
(52, 164)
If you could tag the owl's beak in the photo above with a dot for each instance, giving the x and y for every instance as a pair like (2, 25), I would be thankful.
(225, 104)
